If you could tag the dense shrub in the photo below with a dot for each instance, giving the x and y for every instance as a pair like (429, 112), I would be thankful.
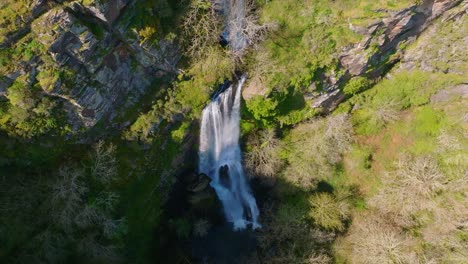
(314, 148)
(262, 157)
(356, 85)
(327, 211)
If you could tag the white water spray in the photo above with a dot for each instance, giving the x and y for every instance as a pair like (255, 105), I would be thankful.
(220, 157)
(235, 13)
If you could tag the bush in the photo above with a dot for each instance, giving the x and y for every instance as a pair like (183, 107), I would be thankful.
(428, 121)
(262, 158)
(48, 78)
(327, 212)
(263, 109)
(20, 95)
(313, 149)
(355, 85)
(213, 67)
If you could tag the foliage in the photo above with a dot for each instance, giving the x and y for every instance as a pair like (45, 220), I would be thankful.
(287, 229)
(47, 79)
(279, 108)
(12, 16)
(263, 109)
(214, 67)
(202, 28)
(21, 96)
(303, 45)
(380, 105)
(262, 158)
(146, 34)
(356, 85)
(312, 149)
(327, 211)
(27, 114)
(409, 214)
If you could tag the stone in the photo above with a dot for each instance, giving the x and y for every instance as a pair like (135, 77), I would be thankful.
(109, 71)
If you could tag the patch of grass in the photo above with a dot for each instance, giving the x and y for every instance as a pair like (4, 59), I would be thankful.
(356, 85)
(380, 105)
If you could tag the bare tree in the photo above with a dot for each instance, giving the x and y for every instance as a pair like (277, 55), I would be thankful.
(244, 26)
(387, 112)
(381, 243)
(448, 142)
(67, 195)
(263, 157)
(104, 166)
(201, 26)
(410, 188)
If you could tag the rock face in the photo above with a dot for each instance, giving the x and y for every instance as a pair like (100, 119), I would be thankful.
(442, 47)
(401, 27)
(381, 46)
(110, 67)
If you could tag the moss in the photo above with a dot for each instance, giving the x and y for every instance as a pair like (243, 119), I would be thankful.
(179, 134)
(356, 85)
(48, 78)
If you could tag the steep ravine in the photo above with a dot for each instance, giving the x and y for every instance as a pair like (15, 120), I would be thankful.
(388, 35)
(113, 76)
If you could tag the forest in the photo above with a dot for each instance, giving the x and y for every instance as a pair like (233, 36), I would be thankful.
(234, 131)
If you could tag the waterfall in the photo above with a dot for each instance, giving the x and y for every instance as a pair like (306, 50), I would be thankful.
(234, 12)
(220, 157)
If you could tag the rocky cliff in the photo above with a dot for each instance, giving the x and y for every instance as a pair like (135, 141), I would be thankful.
(385, 40)
(382, 43)
(91, 56)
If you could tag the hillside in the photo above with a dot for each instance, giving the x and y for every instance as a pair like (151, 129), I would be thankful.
(347, 143)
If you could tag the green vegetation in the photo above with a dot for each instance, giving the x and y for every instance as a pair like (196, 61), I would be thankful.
(12, 16)
(382, 179)
(28, 114)
(393, 180)
(385, 101)
(356, 85)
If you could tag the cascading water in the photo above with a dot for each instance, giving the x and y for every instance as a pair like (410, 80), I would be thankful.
(220, 157)
(234, 11)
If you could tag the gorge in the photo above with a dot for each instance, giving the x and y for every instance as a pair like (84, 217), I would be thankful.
(233, 131)
(220, 155)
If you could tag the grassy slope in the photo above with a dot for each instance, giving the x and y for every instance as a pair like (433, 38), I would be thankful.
(397, 191)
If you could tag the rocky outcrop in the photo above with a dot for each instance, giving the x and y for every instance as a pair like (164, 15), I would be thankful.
(446, 95)
(401, 27)
(108, 66)
(111, 71)
(441, 48)
(383, 45)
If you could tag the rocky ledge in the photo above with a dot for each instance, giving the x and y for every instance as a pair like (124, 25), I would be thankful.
(109, 65)
(384, 45)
